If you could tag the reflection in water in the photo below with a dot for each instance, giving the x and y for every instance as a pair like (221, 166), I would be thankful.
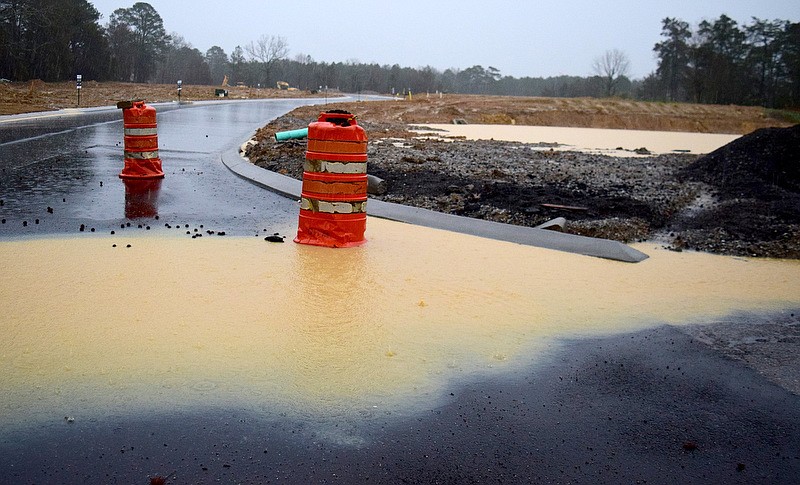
(141, 197)
(90, 331)
(328, 336)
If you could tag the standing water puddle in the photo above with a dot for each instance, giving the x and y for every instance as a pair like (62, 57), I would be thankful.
(91, 331)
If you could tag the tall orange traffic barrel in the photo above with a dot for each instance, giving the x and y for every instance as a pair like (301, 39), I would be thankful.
(141, 141)
(333, 200)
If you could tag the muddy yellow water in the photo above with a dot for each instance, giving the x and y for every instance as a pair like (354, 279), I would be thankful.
(89, 331)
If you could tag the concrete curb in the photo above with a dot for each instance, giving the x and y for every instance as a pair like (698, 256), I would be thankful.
(602, 248)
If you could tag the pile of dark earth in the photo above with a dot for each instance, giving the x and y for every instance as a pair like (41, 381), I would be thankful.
(742, 199)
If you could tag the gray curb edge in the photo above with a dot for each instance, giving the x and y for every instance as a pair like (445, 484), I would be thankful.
(602, 248)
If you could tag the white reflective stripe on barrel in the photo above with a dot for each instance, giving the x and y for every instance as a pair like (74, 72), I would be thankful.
(323, 166)
(140, 131)
(332, 207)
(141, 155)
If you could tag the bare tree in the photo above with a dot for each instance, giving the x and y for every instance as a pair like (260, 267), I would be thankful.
(266, 51)
(611, 66)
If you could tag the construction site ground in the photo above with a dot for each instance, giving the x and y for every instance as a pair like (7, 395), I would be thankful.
(35, 96)
(424, 355)
(743, 199)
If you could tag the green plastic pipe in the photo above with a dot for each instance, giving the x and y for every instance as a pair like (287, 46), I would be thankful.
(291, 134)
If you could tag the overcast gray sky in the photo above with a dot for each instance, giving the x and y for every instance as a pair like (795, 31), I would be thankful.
(520, 38)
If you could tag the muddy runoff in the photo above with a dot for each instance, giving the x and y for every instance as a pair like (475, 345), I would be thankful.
(92, 331)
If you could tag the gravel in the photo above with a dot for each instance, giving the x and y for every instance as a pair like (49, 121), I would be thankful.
(679, 200)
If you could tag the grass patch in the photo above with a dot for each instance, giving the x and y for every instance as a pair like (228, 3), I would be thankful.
(787, 116)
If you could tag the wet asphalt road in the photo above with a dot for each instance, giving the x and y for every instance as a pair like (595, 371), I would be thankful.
(60, 172)
(654, 406)
(649, 407)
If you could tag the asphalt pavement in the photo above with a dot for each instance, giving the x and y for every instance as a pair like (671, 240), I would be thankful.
(60, 171)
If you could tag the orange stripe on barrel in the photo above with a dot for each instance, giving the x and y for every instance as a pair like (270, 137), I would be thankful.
(337, 146)
(143, 143)
(323, 186)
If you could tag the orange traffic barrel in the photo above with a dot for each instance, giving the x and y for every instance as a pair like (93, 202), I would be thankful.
(141, 141)
(333, 200)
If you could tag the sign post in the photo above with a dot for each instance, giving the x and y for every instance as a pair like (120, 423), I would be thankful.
(78, 80)
(180, 84)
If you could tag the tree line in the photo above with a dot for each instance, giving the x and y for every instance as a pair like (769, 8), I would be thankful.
(719, 62)
(724, 63)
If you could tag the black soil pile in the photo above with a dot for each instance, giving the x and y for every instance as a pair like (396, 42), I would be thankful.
(747, 166)
(756, 187)
(740, 200)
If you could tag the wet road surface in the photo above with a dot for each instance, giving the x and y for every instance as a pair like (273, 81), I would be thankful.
(61, 172)
(652, 406)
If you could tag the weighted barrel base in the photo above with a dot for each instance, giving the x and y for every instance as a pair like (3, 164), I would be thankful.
(142, 169)
(331, 230)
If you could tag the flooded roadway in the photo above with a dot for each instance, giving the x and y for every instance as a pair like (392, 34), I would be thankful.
(422, 357)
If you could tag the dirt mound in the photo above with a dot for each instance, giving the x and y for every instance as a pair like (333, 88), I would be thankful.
(572, 112)
(769, 156)
(755, 183)
(35, 96)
